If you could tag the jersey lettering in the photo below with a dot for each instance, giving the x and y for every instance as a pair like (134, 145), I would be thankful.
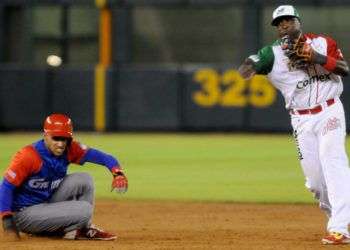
(300, 155)
(38, 183)
(56, 183)
(41, 183)
(322, 78)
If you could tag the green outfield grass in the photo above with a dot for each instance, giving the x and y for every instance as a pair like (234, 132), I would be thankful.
(200, 167)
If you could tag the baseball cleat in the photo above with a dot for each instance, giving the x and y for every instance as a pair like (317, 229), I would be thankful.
(91, 233)
(334, 238)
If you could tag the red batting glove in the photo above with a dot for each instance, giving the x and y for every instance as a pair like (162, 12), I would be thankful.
(120, 182)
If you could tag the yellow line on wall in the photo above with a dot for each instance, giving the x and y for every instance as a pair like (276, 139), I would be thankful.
(100, 99)
(105, 58)
(101, 3)
(105, 36)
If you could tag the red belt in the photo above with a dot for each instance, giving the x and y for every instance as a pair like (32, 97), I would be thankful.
(312, 111)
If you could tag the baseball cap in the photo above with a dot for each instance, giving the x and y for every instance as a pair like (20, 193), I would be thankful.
(284, 11)
(58, 125)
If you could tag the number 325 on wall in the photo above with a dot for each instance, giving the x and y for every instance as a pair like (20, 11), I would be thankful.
(229, 89)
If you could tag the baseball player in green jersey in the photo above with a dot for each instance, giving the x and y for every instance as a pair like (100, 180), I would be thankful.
(307, 69)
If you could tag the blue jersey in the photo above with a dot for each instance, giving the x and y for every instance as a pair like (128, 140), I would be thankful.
(45, 174)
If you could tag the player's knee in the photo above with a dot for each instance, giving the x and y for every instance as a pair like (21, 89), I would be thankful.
(83, 179)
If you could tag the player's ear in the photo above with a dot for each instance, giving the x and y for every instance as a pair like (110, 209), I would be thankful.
(297, 21)
(45, 136)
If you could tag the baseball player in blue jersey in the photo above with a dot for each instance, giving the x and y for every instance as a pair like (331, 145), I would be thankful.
(307, 68)
(37, 196)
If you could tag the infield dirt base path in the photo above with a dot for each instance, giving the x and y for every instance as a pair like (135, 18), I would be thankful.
(175, 225)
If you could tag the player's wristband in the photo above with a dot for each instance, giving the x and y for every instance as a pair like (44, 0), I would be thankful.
(117, 171)
(330, 64)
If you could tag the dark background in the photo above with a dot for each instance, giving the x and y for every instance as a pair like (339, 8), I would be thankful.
(158, 48)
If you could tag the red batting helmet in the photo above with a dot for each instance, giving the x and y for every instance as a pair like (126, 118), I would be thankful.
(58, 125)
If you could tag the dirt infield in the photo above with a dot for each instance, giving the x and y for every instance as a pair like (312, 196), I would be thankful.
(168, 225)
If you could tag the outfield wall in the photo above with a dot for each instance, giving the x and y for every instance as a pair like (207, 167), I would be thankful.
(136, 98)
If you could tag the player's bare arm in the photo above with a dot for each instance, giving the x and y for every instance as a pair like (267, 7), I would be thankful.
(246, 70)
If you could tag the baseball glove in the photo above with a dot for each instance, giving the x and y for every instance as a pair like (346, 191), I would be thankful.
(120, 182)
(298, 51)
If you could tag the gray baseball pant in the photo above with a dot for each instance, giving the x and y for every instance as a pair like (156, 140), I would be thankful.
(70, 208)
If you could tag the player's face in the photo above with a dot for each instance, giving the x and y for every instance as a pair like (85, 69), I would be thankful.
(57, 145)
(288, 26)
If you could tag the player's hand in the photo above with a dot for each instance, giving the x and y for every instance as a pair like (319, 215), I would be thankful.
(120, 182)
(11, 232)
(246, 70)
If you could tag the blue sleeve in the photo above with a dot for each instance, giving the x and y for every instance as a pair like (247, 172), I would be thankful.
(98, 157)
(6, 196)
